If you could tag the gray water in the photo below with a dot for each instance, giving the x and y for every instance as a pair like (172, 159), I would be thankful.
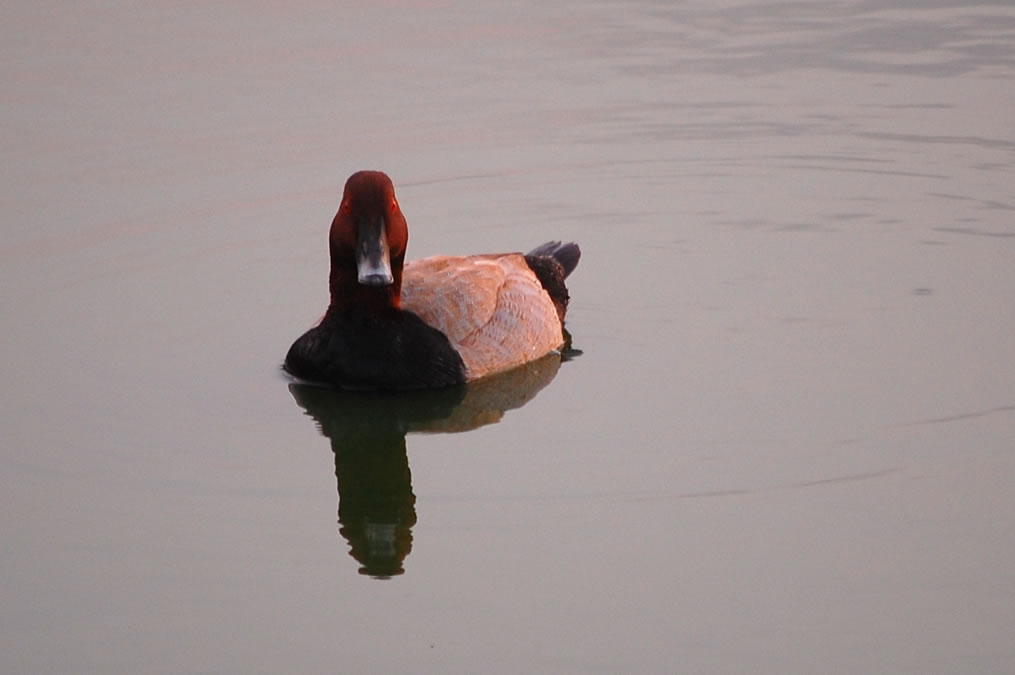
(787, 444)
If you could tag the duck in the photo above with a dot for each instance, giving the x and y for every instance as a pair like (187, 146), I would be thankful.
(431, 323)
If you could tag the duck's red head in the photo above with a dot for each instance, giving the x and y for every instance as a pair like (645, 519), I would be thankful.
(368, 239)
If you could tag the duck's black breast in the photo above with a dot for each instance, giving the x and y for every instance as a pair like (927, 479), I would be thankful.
(355, 348)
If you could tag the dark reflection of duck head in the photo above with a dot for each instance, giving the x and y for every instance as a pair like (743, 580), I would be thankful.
(376, 506)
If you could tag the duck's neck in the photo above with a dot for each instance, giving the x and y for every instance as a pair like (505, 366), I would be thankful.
(346, 291)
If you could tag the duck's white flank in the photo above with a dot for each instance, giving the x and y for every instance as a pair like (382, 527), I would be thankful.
(492, 308)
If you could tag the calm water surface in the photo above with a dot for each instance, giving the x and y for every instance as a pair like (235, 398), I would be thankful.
(787, 444)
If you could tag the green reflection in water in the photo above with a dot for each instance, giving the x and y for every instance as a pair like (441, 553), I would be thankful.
(376, 505)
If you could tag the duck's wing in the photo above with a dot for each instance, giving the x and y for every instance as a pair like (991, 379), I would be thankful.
(492, 308)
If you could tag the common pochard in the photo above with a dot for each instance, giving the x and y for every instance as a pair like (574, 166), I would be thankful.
(429, 323)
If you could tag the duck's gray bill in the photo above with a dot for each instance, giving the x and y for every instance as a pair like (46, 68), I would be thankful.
(373, 262)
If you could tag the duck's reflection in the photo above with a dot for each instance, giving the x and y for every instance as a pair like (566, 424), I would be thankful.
(376, 505)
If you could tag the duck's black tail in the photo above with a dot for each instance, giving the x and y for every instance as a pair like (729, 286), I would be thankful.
(553, 262)
(567, 254)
